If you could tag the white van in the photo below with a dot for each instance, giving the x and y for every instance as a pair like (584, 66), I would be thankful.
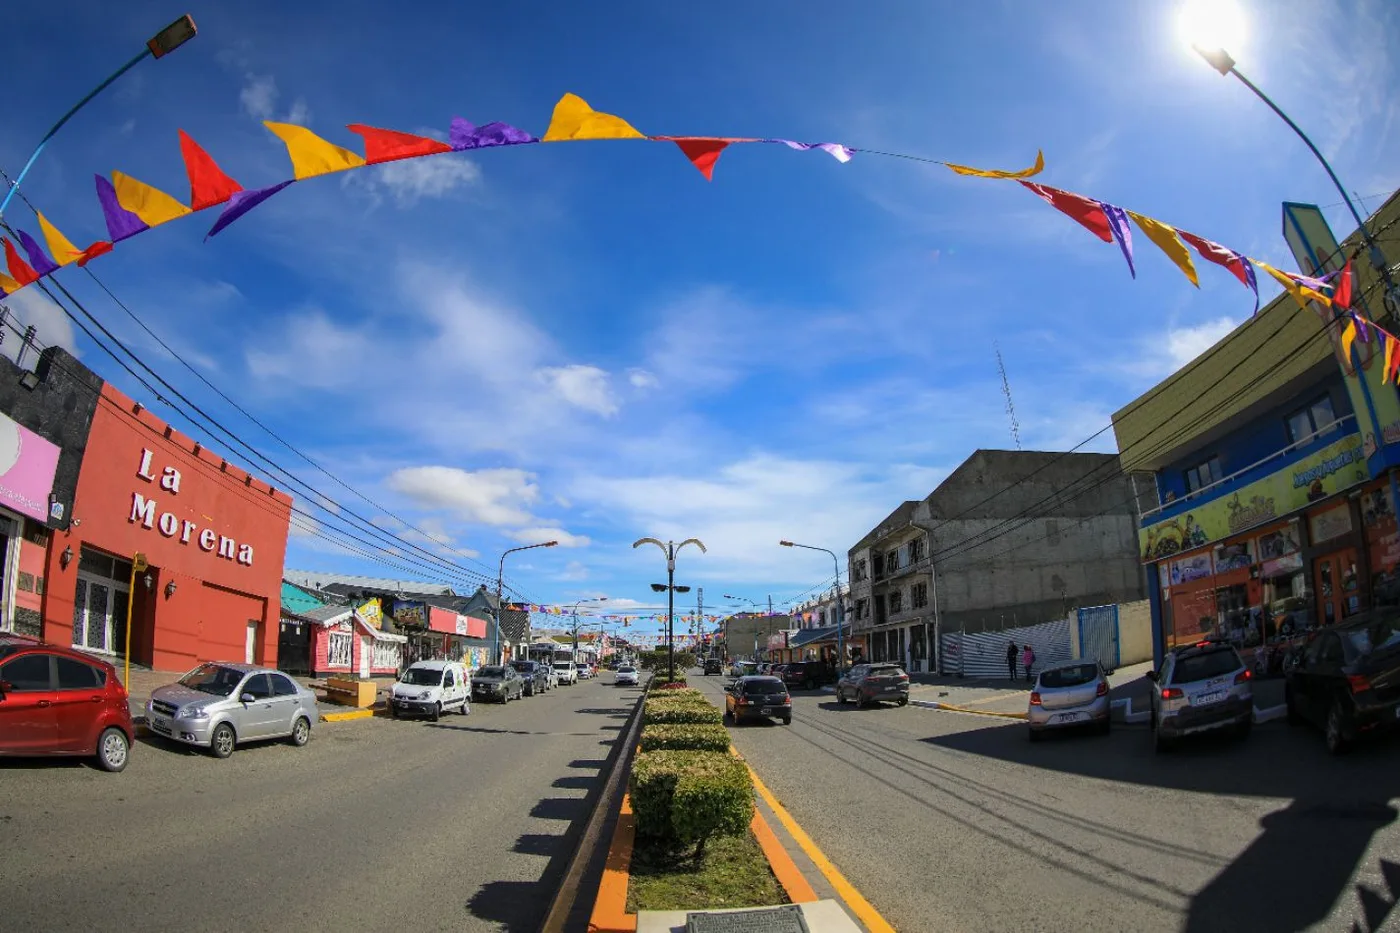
(431, 688)
(566, 671)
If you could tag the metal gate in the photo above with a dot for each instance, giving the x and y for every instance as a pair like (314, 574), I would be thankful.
(1098, 634)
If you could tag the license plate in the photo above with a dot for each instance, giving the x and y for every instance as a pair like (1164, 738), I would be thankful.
(1069, 717)
(766, 711)
(1205, 699)
(161, 726)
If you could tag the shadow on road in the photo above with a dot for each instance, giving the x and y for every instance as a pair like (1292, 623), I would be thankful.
(593, 763)
(514, 904)
(539, 844)
(575, 782)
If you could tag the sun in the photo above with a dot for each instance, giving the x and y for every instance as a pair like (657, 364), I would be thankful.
(1212, 24)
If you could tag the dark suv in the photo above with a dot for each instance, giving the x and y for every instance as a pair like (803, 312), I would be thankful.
(713, 665)
(1347, 680)
(803, 674)
(751, 698)
(535, 675)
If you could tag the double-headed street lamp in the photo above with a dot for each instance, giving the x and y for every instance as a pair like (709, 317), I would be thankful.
(161, 44)
(591, 599)
(670, 548)
(840, 620)
(500, 581)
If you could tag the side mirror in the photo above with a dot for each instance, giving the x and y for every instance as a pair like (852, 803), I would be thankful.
(1151, 675)
(247, 698)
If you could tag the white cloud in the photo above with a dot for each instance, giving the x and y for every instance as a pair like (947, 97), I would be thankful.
(585, 387)
(541, 535)
(259, 96)
(312, 351)
(641, 379)
(303, 526)
(299, 114)
(411, 180)
(1184, 344)
(574, 571)
(51, 325)
(492, 497)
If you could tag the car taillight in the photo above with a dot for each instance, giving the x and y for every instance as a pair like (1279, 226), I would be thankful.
(1102, 690)
(1172, 693)
(1035, 698)
(1358, 682)
(787, 701)
(1244, 676)
(904, 678)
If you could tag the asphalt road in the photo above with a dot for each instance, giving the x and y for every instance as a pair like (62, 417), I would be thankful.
(948, 821)
(375, 825)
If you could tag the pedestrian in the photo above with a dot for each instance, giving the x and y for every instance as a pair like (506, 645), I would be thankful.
(1011, 652)
(1027, 659)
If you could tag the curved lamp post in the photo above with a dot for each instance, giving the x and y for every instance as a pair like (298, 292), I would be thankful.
(840, 620)
(500, 580)
(670, 549)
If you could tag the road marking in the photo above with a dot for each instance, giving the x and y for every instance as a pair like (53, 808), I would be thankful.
(862, 908)
(799, 891)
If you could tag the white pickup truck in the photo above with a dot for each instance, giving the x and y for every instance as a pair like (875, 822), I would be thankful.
(566, 672)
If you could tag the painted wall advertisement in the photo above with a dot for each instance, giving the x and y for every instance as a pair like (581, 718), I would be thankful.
(411, 614)
(371, 613)
(1337, 466)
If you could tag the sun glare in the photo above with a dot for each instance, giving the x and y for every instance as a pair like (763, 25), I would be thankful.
(1212, 24)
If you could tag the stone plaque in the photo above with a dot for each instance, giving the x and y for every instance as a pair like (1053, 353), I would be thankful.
(786, 919)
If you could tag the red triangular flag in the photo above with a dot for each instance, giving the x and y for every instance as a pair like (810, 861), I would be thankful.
(703, 153)
(1222, 256)
(389, 145)
(1088, 212)
(1341, 295)
(100, 248)
(20, 270)
(208, 183)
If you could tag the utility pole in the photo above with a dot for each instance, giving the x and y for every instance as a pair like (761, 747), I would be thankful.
(699, 629)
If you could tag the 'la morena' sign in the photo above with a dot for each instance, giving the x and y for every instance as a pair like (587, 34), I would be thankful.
(143, 513)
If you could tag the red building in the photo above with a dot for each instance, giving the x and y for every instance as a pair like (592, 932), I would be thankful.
(213, 537)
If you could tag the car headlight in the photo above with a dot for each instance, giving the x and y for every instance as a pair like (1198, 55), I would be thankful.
(195, 713)
(425, 695)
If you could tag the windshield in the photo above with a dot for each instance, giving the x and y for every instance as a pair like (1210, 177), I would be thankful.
(561, 665)
(422, 676)
(885, 670)
(491, 672)
(1378, 636)
(212, 679)
(524, 667)
(1070, 676)
(767, 686)
(627, 669)
(1205, 666)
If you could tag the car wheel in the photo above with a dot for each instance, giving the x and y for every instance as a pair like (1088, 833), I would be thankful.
(223, 741)
(113, 750)
(435, 713)
(903, 701)
(1160, 743)
(787, 720)
(807, 684)
(841, 697)
(861, 702)
(1336, 728)
(466, 707)
(1295, 717)
(393, 711)
(301, 732)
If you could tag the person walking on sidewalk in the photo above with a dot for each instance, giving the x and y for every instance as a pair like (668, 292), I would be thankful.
(1027, 659)
(1011, 652)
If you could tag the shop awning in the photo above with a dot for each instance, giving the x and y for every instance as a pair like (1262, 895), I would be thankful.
(811, 636)
(379, 634)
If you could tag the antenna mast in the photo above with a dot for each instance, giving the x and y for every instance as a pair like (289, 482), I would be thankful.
(1006, 390)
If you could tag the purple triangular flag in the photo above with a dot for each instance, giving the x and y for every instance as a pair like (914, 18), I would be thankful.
(121, 223)
(464, 135)
(241, 203)
(1118, 223)
(37, 258)
(837, 151)
(1250, 279)
(1362, 330)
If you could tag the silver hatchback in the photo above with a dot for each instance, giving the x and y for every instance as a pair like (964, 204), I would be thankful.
(1069, 696)
(219, 706)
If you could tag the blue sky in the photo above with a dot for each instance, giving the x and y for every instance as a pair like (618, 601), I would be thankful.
(588, 341)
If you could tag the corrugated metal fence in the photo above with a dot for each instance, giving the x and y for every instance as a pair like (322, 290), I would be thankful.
(983, 654)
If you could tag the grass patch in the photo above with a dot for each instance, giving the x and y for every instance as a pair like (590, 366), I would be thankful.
(732, 873)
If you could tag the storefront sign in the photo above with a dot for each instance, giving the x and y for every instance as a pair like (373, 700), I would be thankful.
(411, 614)
(1335, 467)
(1235, 556)
(27, 466)
(143, 513)
(461, 625)
(371, 613)
(1331, 524)
(1190, 568)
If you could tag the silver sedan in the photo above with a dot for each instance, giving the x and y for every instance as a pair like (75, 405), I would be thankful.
(1068, 696)
(219, 706)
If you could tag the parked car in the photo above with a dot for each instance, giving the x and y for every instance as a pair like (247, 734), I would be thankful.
(585, 671)
(220, 706)
(534, 674)
(497, 682)
(566, 672)
(1200, 688)
(743, 668)
(1069, 696)
(626, 674)
(57, 701)
(871, 683)
(714, 665)
(763, 667)
(1347, 681)
(758, 697)
(804, 674)
(431, 688)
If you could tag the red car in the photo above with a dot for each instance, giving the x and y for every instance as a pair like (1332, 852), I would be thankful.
(57, 701)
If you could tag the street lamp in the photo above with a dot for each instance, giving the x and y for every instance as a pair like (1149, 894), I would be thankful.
(591, 599)
(1212, 24)
(840, 620)
(670, 548)
(158, 46)
(500, 581)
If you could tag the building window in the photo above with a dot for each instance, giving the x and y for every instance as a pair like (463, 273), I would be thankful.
(896, 602)
(892, 561)
(877, 565)
(860, 570)
(386, 655)
(1316, 418)
(916, 550)
(879, 609)
(862, 609)
(1203, 474)
(338, 649)
(918, 596)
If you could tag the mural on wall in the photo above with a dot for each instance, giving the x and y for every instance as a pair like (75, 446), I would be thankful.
(371, 613)
(411, 614)
(1335, 467)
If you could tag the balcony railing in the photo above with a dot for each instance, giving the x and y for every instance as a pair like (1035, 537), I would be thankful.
(1209, 492)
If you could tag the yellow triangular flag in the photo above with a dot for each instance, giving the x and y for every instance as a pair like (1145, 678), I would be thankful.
(1389, 342)
(152, 205)
(1035, 169)
(1168, 242)
(1300, 293)
(574, 119)
(8, 285)
(310, 154)
(62, 250)
(1348, 337)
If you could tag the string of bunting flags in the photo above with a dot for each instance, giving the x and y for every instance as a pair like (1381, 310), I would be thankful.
(130, 206)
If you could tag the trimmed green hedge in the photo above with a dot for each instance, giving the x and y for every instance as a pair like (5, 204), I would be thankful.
(689, 796)
(661, 682)
(685, 712)
(677, 693)
(666, 736)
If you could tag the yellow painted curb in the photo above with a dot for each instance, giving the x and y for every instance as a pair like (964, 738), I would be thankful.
(347, 715)
(862, 908)
(981, 712)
